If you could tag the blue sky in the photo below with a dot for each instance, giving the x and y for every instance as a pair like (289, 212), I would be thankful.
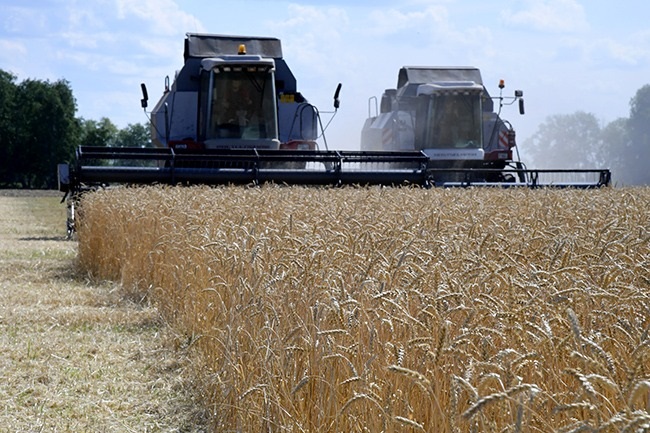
(566, 55)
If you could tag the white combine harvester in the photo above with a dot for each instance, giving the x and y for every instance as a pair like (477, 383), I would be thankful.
(448, 114)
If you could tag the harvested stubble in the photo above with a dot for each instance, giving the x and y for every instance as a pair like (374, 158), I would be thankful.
(394, 309)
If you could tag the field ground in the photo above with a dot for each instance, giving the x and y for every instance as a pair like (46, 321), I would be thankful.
(76, 355)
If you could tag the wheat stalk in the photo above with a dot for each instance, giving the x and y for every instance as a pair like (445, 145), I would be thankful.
(484, 401)
(417, 376)
(409, 422)
(640, 389)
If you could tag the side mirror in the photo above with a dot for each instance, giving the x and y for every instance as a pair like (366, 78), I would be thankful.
(521, 106)
(145, 96)
(336, 97)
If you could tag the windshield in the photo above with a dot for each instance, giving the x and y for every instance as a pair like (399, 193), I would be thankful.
(456, 121)
(242, 104)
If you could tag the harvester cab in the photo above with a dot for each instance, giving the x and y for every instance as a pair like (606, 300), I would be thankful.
(234, 93)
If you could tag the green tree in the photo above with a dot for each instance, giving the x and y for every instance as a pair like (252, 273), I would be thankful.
(98, 133)
(134, 135)
(638, 156)
(7, 126)
(567, 141)
(626, 142)
(46, 132)
(616, 147)
(38, 130)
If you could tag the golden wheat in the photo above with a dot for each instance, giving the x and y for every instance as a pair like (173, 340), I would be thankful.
(384, 309)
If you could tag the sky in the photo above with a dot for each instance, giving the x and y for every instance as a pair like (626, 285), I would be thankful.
(566, 55)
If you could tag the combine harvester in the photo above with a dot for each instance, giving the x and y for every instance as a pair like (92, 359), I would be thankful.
(448, 114)
(234, 115)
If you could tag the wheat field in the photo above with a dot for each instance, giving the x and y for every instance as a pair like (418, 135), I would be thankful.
(390, 310)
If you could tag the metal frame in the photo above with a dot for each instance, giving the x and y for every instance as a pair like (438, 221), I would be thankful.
(100, 165)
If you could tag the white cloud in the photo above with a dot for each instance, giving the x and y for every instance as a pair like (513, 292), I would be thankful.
(434, 34)
(612, 53)
(626, 54)
(633, 51)
(312, 36)
(162, 49)
(23, 20)
(555, 16)
(390, 21)
(9, 49)
(99, 63)
(12, 56)
(81, 39)
(321, 17)
(603, 53)
(86, 15)
(316, 23)
(163, 16)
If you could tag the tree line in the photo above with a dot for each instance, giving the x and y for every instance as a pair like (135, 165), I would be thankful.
(39, 129)
(579, 141)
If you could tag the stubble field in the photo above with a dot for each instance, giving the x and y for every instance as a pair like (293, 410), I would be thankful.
(76, 354)
(380, 309)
